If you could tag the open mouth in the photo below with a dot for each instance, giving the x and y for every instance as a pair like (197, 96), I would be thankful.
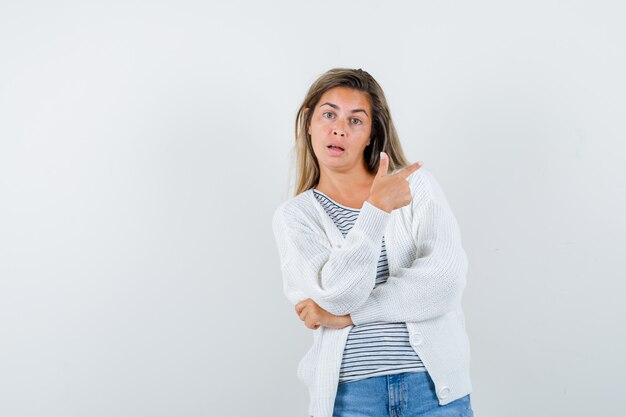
(335, 150)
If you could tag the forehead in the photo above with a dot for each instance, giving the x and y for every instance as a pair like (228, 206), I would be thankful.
(346, 98)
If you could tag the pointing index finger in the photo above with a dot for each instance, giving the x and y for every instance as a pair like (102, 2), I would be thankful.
(410, 169)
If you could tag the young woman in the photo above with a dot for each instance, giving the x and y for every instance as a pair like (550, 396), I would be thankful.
(371, 258)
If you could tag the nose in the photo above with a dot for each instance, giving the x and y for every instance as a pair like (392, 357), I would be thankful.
(338, 129)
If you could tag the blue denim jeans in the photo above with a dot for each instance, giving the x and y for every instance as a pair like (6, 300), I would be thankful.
(403, 395)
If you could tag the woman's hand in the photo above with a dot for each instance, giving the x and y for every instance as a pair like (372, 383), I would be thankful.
(315, 316)
(390, 192)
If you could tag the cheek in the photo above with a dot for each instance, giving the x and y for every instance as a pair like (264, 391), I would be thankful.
(317, 132)
(320, 128)
(316, 144)
(368, 131)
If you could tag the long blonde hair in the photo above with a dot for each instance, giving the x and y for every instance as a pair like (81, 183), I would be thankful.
(384, 136)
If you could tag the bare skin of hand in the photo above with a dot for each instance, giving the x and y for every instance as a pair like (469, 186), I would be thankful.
(315, 316)
(390, 192)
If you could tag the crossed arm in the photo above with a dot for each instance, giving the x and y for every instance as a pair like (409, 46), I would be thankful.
(338, 278)
(432, 285)
(334, 287)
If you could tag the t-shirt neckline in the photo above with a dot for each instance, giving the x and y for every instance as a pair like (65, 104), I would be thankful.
(315, 190)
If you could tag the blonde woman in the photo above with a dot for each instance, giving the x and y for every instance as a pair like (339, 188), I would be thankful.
(371, 257)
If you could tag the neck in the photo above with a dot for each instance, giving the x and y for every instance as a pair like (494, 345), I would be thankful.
(345, 184)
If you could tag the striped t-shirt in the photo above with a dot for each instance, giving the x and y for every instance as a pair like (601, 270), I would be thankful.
(372, 349)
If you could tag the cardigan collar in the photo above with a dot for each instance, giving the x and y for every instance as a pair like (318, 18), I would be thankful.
(332, 231)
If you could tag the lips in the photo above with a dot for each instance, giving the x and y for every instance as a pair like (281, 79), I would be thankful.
(335, 150)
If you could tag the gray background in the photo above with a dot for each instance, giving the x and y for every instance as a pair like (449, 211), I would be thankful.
(145, 145)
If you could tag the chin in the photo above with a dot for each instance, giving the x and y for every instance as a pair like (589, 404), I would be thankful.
(339, 167)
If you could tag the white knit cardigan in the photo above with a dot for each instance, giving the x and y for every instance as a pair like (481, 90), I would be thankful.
(427, 275)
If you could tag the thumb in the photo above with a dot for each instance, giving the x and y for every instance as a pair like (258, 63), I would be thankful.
(383, 165)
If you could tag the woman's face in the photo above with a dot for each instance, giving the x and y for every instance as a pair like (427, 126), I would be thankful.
(340, 129)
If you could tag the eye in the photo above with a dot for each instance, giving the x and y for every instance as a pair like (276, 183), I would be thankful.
(355, 121)
(328, 115)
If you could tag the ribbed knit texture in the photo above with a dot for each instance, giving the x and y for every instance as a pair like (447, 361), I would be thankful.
(378, 348)
(427, 275)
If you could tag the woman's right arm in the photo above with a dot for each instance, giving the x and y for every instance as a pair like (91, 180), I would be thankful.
(338, 279)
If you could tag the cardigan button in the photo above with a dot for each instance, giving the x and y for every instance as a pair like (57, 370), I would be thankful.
(444, 392)
(417, 339)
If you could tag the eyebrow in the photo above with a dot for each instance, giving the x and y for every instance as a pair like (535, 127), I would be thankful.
(336, 107)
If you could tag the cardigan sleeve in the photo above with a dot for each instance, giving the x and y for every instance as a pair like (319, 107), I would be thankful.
(433, 283)
(338, 279)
